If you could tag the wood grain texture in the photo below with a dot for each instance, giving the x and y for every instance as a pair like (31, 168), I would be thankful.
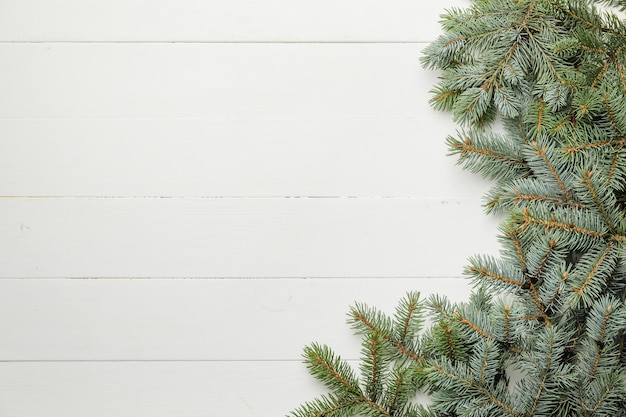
(156, 389)
(231, 158)
(213, 80)
(221, 21)
(193, 320)
(283, 237)
(261, 165)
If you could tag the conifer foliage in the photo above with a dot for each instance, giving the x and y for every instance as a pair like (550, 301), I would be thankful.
(538, 88)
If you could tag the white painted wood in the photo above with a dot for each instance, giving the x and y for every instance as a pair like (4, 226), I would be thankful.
(282, 237)
(170, 135)
(241, 158)
(213, 80)
(221, 21)
(200, 319)
(156, 389)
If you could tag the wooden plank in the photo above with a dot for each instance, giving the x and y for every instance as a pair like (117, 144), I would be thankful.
(242, 158)
(201, 319)
(177, 80)
(217, 237)
(221, 21)
(156, 389)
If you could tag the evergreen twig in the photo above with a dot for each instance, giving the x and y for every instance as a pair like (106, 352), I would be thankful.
(544, 332)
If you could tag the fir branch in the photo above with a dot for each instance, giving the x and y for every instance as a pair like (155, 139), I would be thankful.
(467, 147)
(472, 326)
(483, 273)
(534, 295)
(545, 259)
(377, 408)
(557, 290)
(441, 307)
(606, 319)
(522, 197)
(484, 392)
(594, 145)
(577, 16)
(483, 268)
(518, 129)
(409, 317)
(597, 264)
(327, 406)
(508, 327)
(444, 97)
(617, 238)
(600, 74)
(396, 391)
(553, 71)
(507, 323)
(521, 193)
(600, 341)
(599, 350)
(542, 152)
(546, 370)
(611, 113)
(603, 200)
(451, 344)
(445, 339)
(513, 236)
(365, 320)
(331, 370)
(596, 50)
(556, 75)
(606, 394)
(374, 365)
(568, 121)
(619, 4)
(338, 376)
(484, 362)
(535, 273)
(622, 78)
(590, 230)
(491, 155)
(616, 157)
(400, 390)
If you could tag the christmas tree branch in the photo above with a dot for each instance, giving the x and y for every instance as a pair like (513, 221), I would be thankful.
(599, 202)
(541, 152)
(360, 317)
(553, 224)
(490, 398)
(552, 305)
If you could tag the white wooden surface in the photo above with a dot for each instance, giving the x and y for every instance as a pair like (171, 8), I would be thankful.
(213, 20)
(212, 80)
(191, 191)
(238, 237)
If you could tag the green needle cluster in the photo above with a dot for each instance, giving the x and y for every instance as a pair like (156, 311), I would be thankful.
(538, 89)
